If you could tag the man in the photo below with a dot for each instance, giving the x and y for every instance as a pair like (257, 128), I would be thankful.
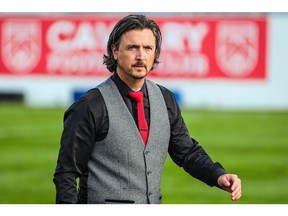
(117, 147)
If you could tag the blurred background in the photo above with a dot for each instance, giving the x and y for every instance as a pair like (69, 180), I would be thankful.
(229, 72)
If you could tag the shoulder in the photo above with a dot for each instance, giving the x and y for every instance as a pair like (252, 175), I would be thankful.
(165, 91)
(89, 101)
(94, 95)
(168, 95)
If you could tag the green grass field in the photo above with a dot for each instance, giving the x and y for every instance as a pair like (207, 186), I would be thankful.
(252, 144)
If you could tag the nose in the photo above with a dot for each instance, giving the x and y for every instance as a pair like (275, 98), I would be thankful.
(140, 55)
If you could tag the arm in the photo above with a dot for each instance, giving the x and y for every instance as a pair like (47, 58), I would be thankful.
(82, 127)
(76, 144)
(186, 151)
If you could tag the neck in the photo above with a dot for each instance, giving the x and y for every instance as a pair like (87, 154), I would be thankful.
(135, 90)
(135, 87)
(134, 84)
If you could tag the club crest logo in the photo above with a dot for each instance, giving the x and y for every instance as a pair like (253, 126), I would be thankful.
(21, 45)
(237, 47)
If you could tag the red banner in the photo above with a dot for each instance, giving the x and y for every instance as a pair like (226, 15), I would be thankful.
(193, 47)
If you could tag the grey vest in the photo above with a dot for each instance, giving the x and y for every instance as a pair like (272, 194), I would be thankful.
(122, 169)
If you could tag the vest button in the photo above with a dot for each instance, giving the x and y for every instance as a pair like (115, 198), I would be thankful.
(147, 152)
(148, 173)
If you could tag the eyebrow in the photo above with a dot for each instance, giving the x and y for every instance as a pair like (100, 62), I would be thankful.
(137, 46)
(132, 46)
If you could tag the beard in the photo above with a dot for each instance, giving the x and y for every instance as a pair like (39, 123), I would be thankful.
(136, 71)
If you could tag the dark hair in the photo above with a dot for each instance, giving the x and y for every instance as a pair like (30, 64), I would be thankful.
(131, 22)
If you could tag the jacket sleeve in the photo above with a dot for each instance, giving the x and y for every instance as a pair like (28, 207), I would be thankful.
(77, 141)
(185, 151)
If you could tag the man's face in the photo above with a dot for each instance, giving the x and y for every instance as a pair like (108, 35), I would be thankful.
(136, 53)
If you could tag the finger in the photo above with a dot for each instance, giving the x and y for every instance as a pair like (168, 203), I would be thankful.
(236, 194)
(236, 189)
(236, 183)
(224, 181)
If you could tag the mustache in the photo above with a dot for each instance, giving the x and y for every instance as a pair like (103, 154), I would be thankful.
(139, 64)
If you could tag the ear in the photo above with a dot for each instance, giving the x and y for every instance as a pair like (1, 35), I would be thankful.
(114, 51)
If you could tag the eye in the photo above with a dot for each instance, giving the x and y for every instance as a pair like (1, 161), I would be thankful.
(148, 48)
(131, 47)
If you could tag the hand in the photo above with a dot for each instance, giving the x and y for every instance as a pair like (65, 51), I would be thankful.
(232, 184)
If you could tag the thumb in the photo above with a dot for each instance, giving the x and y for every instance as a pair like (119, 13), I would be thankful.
(223, 181)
